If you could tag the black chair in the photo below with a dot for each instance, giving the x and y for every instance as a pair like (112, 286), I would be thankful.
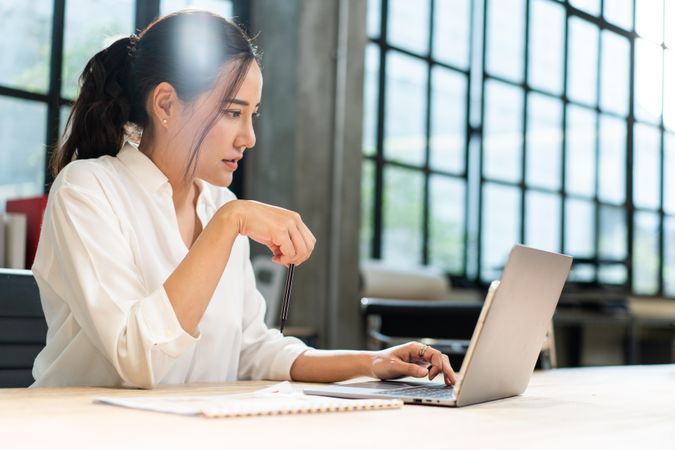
(446, 325)
(22, 327)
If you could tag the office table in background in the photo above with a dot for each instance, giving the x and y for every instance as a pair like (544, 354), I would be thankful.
(608, 407)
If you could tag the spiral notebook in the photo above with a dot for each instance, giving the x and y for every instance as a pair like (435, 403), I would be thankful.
(282, 398)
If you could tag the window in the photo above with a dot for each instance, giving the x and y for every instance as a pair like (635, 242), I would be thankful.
(415, 137)
(51, 40)
(538, 121)
(24, 84)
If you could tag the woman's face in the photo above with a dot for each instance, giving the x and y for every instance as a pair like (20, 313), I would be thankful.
(232, 133)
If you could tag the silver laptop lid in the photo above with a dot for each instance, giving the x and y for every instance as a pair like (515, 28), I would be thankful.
(513, 327)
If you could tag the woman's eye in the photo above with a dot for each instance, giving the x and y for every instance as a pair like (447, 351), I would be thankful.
(233, 113)
(256, 115)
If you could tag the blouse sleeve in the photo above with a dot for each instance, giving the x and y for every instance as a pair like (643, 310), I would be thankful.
(94, 272)
(265, 353)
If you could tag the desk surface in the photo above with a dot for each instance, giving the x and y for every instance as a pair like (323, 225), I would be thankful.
(609, 407)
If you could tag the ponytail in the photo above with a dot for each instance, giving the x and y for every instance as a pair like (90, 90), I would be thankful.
(97, 121)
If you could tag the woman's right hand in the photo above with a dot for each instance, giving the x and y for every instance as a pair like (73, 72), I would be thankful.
(281, 230)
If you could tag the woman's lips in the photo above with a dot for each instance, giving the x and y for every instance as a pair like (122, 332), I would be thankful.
(231, 164)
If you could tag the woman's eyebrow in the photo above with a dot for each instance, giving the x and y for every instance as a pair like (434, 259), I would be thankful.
(236, 101)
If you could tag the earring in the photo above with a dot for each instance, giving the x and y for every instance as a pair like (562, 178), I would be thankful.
(164, 121)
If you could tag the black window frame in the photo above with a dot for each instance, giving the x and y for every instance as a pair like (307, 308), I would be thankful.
(471, 275)
(379, 160)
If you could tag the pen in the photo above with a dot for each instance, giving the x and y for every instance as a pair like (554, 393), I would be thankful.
(287, 296)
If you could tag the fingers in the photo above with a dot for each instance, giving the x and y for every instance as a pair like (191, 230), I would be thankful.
(439, 363)
(310, 240)
(299, 245)
(436, 364)
(283, 241)
(281, 230)
(448, 373)
(295, 248)
(405, 369)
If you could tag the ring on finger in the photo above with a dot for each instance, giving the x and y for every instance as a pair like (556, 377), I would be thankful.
(422, 350)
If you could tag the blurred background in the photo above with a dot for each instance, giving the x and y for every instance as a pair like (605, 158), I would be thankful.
(428, 136)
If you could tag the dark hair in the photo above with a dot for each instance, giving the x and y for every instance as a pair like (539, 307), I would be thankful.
(188, 49)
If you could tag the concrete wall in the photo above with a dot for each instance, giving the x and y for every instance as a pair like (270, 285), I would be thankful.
(308, 154)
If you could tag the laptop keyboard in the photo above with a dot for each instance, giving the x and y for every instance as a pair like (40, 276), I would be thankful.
(420, 392)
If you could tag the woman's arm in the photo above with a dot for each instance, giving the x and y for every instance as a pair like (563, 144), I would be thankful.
(192, 284)
(412, 359)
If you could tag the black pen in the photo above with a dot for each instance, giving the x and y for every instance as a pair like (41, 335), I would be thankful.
(287, 296)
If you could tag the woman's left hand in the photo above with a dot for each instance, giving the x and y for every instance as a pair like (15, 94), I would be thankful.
(412, 360)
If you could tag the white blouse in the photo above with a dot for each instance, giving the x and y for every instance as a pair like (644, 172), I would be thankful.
(109, 240)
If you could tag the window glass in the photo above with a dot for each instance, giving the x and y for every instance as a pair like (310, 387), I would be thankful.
(669, 171)
(580, 164)
(648, 68)
(582, 273)
(446, 227)
(542, 221)
(612, 160)
(619, 12)
(669, 36)
(646, 253)
(669, 256)
(547, 42)
(582, 61)
(22, 148)
(502, 131)
(409, 25)
(580, 228)
(26, 44)
(87, 32)
(612, 274)
(374, 17)
(649, 19)
(590, 6)
(64, 113)
(452, 24)
(448, 119)
(646, 167)
(613, 237)
(370, 97)
(669, 89)
(473, 207)
(615, 87)
(221, 7)
(501, 227)
(404, 138)
(506, 38)
(403, 203)
(544, 141)
(367, 207)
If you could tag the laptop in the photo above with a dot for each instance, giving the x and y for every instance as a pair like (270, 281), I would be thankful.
(504, 346)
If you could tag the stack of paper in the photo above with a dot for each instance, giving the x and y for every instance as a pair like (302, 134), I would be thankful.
(281, 398)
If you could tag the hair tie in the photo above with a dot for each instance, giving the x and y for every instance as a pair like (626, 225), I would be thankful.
(133, 41)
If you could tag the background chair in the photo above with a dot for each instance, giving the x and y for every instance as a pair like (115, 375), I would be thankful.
(418, 303)
(22, 327)
(270, 282)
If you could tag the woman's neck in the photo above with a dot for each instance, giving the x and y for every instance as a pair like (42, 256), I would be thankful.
(184, 188)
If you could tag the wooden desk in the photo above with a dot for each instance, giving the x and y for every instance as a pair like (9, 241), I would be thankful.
(610, 407)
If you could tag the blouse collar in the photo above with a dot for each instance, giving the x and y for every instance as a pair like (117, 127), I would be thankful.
(148, 174)
(144, 170)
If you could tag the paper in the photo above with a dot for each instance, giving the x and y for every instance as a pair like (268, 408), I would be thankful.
(281, 398)
(15, 241)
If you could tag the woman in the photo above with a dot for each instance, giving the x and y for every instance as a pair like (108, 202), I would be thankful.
(143, 263)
